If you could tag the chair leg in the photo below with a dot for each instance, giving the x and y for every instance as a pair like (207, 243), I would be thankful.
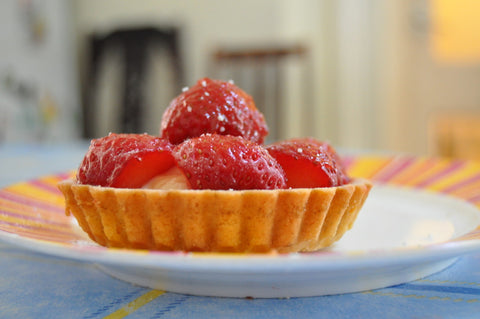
(133, 97)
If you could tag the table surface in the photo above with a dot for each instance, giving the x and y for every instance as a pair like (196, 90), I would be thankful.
(33, 285)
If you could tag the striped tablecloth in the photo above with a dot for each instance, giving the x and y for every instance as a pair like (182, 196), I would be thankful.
(34, 285)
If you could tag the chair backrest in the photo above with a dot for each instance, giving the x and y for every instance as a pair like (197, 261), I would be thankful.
(134, 48)
(262, 72)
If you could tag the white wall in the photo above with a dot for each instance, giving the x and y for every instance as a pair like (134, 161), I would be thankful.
(206, 23)
(337, 80)
(46, 65)
(374, 84)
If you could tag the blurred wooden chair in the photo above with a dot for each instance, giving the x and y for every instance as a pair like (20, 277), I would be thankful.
(262, 72)
(132, 49)
(455, 135)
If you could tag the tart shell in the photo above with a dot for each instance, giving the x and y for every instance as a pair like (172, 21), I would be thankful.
(259, 221)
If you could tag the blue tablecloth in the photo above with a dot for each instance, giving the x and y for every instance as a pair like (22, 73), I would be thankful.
(33, 285)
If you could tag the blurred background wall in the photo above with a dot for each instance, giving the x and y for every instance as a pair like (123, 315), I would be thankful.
(400, 75)
(38, 75)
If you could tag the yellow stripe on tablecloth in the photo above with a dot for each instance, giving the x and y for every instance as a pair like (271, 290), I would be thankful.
(29, 211)
(135, 304)
(429, 172)
(367, 167)
(412, 171)
(34, 192)
(31, 223)
(470, 169)
(467, 191)
(51, 180)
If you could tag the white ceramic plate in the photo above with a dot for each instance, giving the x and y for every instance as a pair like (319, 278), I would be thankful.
(399, 236)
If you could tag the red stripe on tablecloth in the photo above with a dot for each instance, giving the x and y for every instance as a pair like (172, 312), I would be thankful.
(40, 219)
(454, 187)
(414, 170)
(66, 175)
(455, 165)
(471, 235)
(395, 167)
(474, 199)
(45, 186)
(8, 196)
(37, 232)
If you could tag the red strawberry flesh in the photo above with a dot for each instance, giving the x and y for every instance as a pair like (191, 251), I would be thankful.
(125, 160)
(222, 162)
(309, 163)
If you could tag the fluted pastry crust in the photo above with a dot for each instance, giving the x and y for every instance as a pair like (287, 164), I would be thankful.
(283, 220)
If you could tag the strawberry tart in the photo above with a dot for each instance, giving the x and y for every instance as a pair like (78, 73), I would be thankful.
(208, 183)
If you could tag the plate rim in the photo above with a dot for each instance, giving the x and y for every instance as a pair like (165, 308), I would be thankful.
(202, 262)
(321, 260)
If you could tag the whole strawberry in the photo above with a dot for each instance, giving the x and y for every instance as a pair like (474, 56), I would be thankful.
(213, 106)
(309, 163)
(218, 162)
(125, 160)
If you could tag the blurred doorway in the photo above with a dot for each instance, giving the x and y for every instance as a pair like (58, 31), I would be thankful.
(432, 71)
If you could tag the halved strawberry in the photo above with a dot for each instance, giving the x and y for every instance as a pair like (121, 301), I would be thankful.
(216, 162)
(309, 163)
(125, 160)
(213, 106)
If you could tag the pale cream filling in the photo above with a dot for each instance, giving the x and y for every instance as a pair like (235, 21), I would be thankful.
(171, 179)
